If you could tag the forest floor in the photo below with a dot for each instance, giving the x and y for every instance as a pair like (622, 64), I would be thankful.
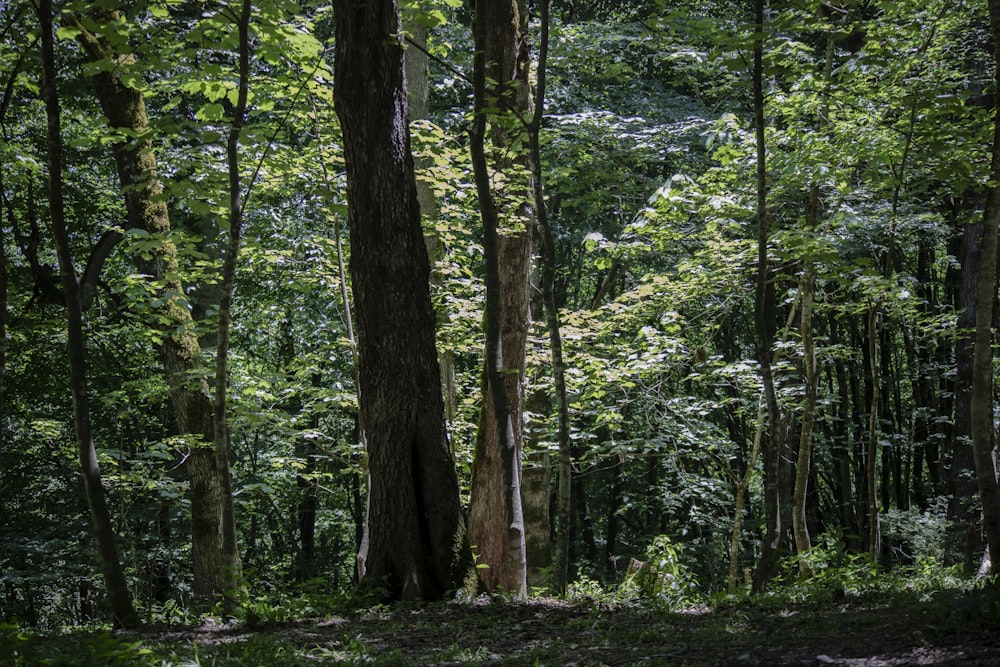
(944, 628)
(548, 632)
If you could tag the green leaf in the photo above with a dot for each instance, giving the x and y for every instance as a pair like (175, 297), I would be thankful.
(211, 111)
(67, 32)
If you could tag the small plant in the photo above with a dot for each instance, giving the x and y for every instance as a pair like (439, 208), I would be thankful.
(662, 576)
(585, 588)
(911, 535)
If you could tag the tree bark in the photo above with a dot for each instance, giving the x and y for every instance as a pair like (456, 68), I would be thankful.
(415, 543)
(983, 437)
(122, 609)
(496, 520)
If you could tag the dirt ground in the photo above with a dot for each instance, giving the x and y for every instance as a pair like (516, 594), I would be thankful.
(549, 632)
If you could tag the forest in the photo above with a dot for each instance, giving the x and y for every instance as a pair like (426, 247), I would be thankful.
(605, 320)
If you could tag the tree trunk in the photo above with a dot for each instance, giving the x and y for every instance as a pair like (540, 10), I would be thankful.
(120, 598)
(548, 261)
(962, 509)
(840, 447)
(415, 543)
(496, 521)
(983, 437)
(3, 306)
(764, 323)
(874, 433)
(230, 554)
(179, 349)
(800, 528)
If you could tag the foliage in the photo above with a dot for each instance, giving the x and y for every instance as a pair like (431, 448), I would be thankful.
(662, 576)
(649, 160)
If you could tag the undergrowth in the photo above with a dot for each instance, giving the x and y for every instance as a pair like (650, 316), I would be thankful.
(272, 632)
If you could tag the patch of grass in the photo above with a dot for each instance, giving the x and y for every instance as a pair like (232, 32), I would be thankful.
(19, 647)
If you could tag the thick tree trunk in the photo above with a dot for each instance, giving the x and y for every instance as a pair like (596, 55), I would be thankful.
(415, 541)
(496, 521)
(179, 349)
(983, 437)
(120, 598)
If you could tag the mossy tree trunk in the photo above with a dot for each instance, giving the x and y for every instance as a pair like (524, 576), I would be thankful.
(178, 346)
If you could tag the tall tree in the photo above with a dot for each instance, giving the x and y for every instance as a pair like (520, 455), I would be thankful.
(983, 438)
(765, 316)
(415, 542)
(123, 610)
(548, 273)
(230, 552)
(179, 349)
(502, 101)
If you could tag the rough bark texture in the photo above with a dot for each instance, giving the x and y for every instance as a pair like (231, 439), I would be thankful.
(496, 524)
(983, 438)
(414, 542)
(120, 599)
(179, 350)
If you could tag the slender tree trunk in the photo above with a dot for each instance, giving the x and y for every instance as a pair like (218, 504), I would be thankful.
(962, 509)
(841, 449)
(179, 349)
(800, 527)
(548, 261)
(764, 322)
(415, 543)
(874, 433)
(810, 372)
(496, 520)
(741, 492)
(120, 598)
(230, 554)
(3, 307)
(983, 437)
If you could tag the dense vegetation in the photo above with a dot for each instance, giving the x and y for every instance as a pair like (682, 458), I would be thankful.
(878, 123)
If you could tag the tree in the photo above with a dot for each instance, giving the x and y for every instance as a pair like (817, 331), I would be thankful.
(983, 437)
(502, 98)
(220, 440)
(415, 543)
(764, 322)
(548, 271)
(125, 108)
(123, 610)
